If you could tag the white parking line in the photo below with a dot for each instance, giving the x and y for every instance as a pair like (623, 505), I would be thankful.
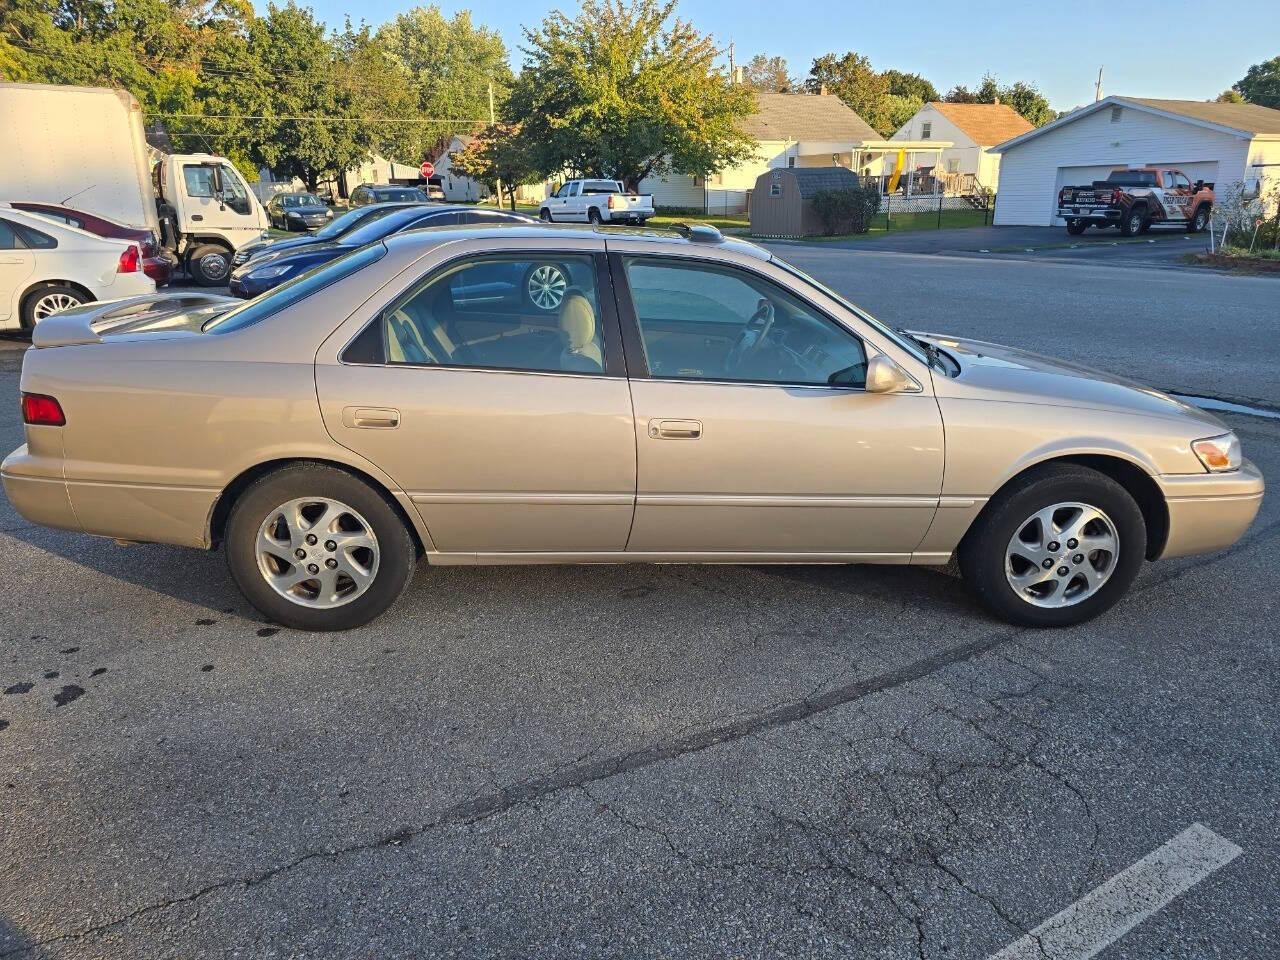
(1108, 912)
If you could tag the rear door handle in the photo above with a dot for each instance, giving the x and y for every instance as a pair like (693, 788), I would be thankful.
(675, 429)
(377, 418)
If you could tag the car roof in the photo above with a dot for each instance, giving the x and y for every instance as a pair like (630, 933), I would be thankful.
(637, 237)
(55, 227)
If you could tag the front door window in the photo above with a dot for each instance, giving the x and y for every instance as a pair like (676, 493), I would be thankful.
(705, 322)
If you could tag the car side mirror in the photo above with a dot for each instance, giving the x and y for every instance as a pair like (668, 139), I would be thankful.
(1199, 185)
(885, 376)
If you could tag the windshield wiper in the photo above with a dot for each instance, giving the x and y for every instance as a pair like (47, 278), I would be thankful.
(933, 353)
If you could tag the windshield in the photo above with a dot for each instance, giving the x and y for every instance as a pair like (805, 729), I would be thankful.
(290, 292)
(349, 221)
(395, 219)
(301, 200)
(910, 346)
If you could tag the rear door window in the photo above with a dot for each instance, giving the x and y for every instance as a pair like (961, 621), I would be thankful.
(9, 239)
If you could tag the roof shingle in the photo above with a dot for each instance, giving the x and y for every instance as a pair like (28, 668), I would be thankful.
(1247, 117)
(986, 124)
(803, 116)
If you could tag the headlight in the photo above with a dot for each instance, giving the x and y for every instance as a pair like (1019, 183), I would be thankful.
(266, 273)
(1219, 454)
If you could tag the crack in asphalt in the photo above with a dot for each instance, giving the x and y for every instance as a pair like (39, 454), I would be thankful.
(484, 806)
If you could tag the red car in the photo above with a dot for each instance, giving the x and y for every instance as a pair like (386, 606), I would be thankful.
(155, 264)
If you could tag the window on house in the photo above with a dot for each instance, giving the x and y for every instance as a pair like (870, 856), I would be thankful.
(953, 166)
(926, 131)
(1115, 114)
(775, 189)
(791, 161)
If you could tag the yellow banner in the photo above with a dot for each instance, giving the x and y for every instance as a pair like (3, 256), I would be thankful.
(897, 171)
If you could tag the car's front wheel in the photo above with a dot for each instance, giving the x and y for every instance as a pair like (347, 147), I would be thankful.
(209, 265)
(1199, 219)
(316, 548)
(1058, 546)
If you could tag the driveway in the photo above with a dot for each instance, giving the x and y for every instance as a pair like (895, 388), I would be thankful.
(1160, 245)
(659, 760)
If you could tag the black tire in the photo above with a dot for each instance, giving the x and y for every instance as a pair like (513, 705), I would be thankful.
(593, 216)
(544, 215)
(982, 553)
(39, 299)
(1077, 227)
(397, 552)
(202, 265)
(1200, 219)
(1133, 222)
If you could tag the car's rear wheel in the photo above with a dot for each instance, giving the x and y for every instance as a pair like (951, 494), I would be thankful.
(1076, 227)
(544, 215)
(46, 301)
(1133, 222)
(1057, 547)
(593, 215)
(315, 548)
(209, 265)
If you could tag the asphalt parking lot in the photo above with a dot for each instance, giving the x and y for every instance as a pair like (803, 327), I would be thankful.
(670, 761)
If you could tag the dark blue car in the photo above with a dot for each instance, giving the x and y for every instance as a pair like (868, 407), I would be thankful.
(335, 229)
(272, 269)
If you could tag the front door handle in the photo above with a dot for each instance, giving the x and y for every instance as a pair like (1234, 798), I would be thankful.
(675, 429)
(197, 216)
(11, 260)
(377, 418)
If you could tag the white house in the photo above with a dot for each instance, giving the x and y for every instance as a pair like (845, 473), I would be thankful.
(1222, 143)
(972, 129)
(793, 130)
(456, 187)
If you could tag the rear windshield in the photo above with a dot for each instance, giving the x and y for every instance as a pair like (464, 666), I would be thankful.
(1132, 178)
(292, 291)
(408, 193)
(600, 186)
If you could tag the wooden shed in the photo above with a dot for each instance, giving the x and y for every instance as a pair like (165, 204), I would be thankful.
(780, 203)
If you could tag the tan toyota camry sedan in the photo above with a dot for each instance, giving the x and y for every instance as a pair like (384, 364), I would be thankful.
(541, 394)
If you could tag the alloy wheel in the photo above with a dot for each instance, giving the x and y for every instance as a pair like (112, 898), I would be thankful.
(546, 286)
(52, 303)
(1062, 555)
(317, 552)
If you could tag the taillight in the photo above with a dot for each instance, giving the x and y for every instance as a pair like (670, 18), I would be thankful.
(1062, 196)
(615, 201)
(1116, 195)
(37, 408)
(130, 260)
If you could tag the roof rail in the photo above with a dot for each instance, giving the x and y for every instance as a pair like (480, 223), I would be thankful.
(698, 232)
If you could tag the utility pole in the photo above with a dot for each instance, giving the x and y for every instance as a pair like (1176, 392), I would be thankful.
(733, 74)
(493, 122)
(1097, 87)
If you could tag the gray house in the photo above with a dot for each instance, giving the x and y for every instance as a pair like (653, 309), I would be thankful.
(780, 202)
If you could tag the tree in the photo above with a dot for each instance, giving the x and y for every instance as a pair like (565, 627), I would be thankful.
(1230, 95)
(1025, 98)
(625, 91)
(768, 75)
(1261, 84)
(497, 156)
(910, 85)
(852, 79)
(449, 64)
(370, 84)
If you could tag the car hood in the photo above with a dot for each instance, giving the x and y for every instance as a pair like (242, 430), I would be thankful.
(306, 211)
(1008, 373)
(301, 253)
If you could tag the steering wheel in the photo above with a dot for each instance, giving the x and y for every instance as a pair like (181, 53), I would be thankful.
(753, 335)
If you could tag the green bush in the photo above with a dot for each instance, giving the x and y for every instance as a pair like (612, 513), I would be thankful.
(849, 210)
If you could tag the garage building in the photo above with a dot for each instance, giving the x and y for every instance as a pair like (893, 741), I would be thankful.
(1221, 143)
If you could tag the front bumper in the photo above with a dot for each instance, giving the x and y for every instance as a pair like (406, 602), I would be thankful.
(245, 288)
(1210, 511)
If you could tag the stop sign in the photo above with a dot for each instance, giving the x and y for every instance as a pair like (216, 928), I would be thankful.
(426, 170)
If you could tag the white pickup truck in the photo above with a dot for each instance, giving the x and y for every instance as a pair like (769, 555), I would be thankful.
(596, 201)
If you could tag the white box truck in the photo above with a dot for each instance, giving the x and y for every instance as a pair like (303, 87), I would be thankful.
(84, 148)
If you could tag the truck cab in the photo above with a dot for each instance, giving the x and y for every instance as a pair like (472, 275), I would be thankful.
(206, 212)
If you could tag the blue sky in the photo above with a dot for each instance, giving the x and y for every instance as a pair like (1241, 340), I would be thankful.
(1170, 48)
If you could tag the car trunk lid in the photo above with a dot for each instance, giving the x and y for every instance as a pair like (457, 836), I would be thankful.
(171, 314)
